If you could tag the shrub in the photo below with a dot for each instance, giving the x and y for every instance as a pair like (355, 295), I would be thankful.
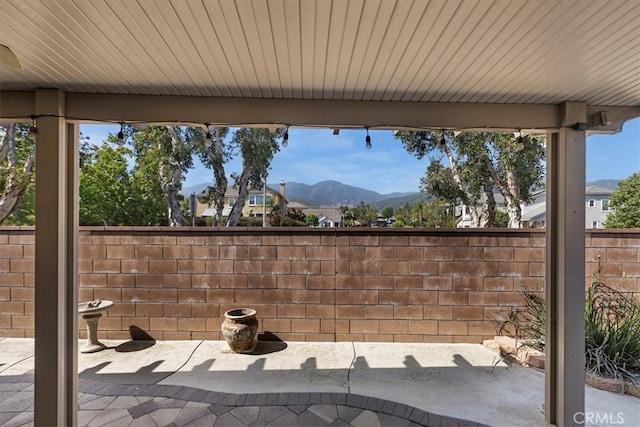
(612, 332)
(291, 222)
(526, 323)
(612, 328)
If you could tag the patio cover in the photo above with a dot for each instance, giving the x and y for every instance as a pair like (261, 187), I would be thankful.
(561, 67)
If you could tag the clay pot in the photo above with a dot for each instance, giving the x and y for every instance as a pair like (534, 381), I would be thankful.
(239, 329)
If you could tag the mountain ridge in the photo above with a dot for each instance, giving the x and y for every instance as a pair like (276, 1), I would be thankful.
(327, 193)
(331, 192)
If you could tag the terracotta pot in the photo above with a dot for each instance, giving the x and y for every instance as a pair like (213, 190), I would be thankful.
(239, 328)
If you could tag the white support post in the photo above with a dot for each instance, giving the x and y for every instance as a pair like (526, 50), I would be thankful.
(565, 269)
(55, 265)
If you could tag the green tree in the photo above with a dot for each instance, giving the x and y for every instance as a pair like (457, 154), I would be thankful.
(214, 153)
(403, 216)
(430, 215)
(478, 163)
(257, 147)
(149, 206)
(85, 150)
(168, 150)
(462, 180)
(17, 169)
(346, 216)
(365, 214)
(312, 220)
(275, 216)
(297, 215)
(419, 214)
(387, 212)
(24, 212)
(502, 220)
(625, 204)
(516, 169)
(105, 188)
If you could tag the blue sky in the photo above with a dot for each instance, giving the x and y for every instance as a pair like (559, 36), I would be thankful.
(315, 155)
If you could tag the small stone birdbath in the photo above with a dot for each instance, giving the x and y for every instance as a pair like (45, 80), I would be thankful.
(91, 312)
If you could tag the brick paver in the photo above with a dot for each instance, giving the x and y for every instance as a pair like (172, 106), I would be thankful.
(150, 404)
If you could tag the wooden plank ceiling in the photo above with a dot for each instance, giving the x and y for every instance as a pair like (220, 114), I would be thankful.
(500, 51)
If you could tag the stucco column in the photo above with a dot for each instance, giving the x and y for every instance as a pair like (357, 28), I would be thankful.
(55, 264)
(565, 268)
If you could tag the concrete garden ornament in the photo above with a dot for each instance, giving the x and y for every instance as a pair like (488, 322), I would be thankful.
(91, 312)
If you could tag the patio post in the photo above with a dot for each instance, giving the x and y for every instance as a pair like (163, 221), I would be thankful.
(72, 271)
(55, 263)
(565, 268)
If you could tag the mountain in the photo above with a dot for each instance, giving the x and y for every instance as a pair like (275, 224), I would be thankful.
(327, 193)
(395, 202)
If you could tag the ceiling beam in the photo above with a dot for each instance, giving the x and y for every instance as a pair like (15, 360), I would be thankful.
(15, 105)
(311, 113)
(85, 107)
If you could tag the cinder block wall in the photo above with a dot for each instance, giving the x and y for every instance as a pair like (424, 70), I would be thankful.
(400, 285)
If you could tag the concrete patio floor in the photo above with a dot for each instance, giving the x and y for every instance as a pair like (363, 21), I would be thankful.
(152, 383)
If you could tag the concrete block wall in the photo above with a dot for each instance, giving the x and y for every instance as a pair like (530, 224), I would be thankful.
(400, 285)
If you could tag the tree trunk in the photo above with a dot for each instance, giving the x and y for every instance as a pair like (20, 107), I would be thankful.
(488, 215)
(511, 193)
(170, 175)
(467, 198)
(513, 206)
(220, 179)
(17, 182)
(243, 191)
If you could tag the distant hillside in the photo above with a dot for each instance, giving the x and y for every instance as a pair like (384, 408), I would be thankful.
(396, 202)
(329, 193)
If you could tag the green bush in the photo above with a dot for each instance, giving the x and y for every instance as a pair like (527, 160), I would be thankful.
(250, 221)
(612, 332)
(612, 329)
(291, 222)
(526, 323)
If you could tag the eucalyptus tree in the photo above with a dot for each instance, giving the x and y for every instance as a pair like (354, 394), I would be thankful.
(462, 180)
(257, 146)
(478, 164)
(17, 169)
(214, 152)
(168, 150)
(516, 169)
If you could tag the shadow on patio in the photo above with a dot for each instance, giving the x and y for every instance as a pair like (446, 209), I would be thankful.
(464, 381)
